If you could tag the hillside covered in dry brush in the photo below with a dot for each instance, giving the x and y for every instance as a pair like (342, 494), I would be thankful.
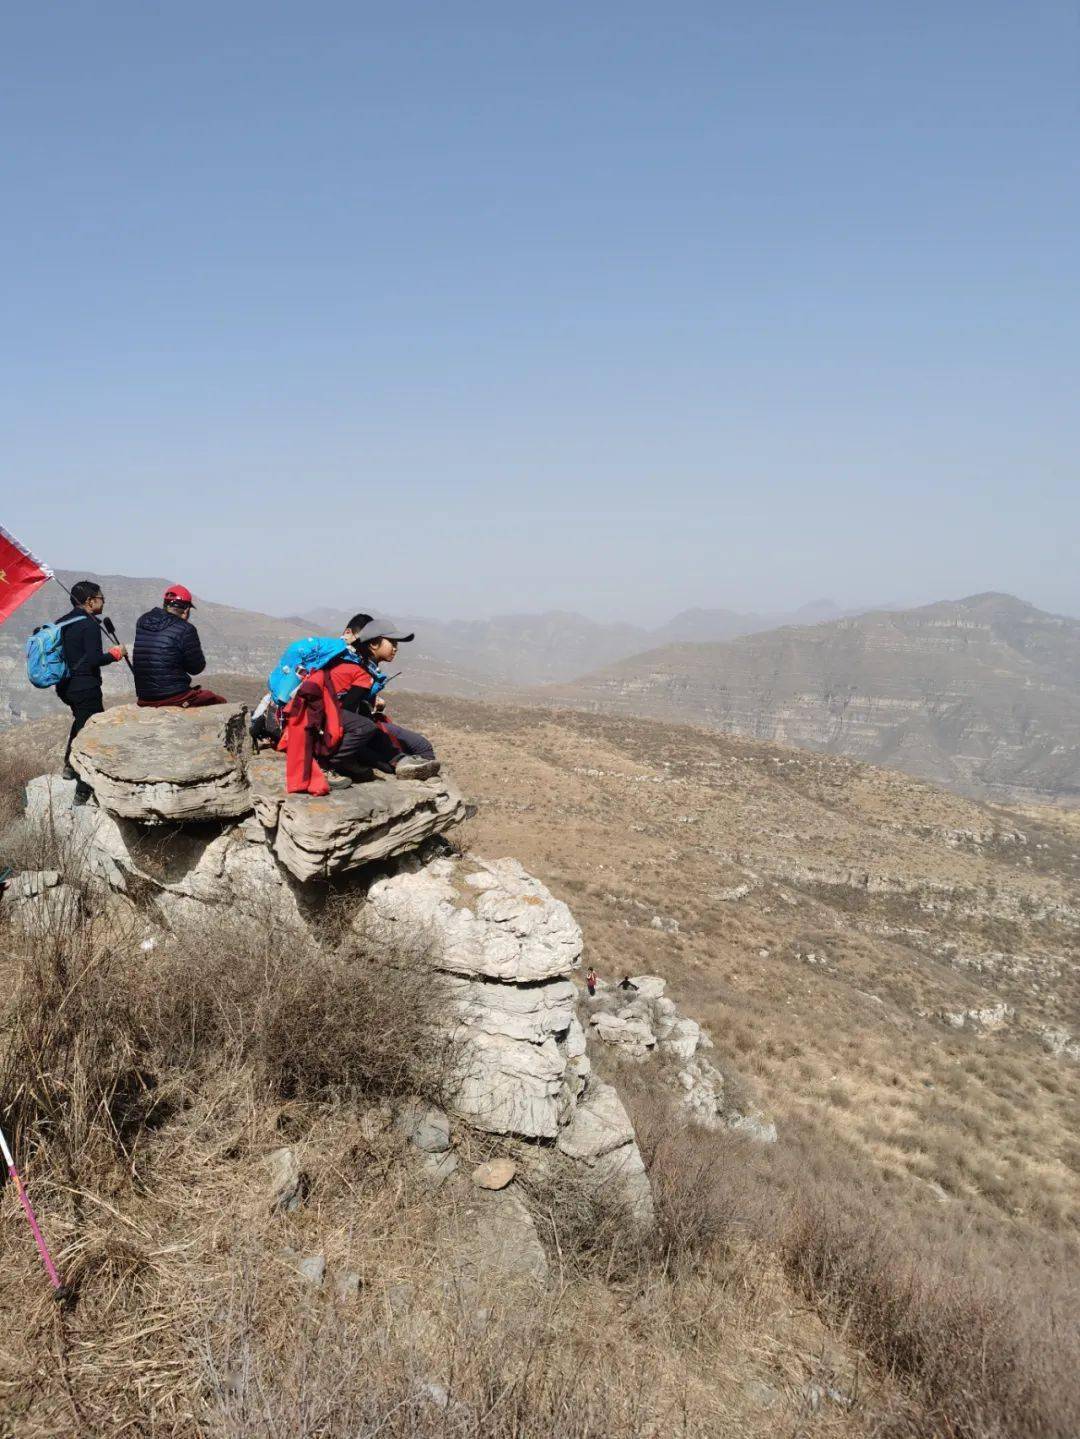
(889, 971)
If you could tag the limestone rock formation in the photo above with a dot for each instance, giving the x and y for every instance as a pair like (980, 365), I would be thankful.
(318, 837)
(38, 899)
(600, 1137)
(181, 873)
(504, 945)
(189, 824)
(697, 1083)
(156, 765)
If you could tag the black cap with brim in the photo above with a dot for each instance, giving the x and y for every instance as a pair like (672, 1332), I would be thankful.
(381, 628)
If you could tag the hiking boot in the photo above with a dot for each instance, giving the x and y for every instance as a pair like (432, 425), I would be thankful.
(68, 773)
(413, 766)
(338, 781)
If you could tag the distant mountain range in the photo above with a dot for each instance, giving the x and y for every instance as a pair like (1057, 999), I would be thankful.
(980, 694)
(476, 657)
(460, 657)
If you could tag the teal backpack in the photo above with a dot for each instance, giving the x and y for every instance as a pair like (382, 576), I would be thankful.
(45, 662)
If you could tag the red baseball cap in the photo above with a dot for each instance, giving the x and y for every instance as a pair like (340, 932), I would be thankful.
(178, 595)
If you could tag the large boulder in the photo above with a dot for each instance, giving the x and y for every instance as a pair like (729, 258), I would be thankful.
(600, 1139)
(316, 837)
(39, 902)
(509, 929)
(161, 765)
(504, 945)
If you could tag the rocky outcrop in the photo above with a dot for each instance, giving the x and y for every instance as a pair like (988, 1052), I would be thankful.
(187, 872)
(642, 1022)
(600, 1138)
(161, 765)
(503, 947)
(39, 899)
(318, 837)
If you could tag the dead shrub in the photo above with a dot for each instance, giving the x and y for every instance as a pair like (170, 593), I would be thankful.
(16, 770)
(988, 1359)
(100, 1039)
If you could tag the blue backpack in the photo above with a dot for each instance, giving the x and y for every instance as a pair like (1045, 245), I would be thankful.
(300, 658)
(46, 664)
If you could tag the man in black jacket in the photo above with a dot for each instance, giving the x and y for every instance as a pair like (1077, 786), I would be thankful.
(167, 653)
(85, 657)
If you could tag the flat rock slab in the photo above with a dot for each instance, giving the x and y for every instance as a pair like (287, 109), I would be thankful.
(315, 837)
(163, 765)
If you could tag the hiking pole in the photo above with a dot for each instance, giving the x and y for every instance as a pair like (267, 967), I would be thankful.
(60, 1291)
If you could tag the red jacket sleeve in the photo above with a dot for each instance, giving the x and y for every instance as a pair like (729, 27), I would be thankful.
(346, 677)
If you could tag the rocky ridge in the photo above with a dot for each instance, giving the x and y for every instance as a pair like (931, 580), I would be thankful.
(978, 694)
(641, 1022)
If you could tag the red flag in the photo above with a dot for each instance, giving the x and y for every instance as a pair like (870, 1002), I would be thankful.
(21, 573)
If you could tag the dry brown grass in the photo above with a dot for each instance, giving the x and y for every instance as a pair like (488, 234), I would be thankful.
(143, 1091)
(908, 1242)
(976, 1323)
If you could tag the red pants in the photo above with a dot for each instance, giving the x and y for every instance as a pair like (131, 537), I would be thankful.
(186, 700)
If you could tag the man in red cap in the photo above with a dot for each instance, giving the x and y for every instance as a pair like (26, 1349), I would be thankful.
(167, 653)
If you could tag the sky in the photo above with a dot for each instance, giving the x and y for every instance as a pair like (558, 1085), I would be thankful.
(472, 307)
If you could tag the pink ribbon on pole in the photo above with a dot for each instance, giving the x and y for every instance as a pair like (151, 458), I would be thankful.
(39, 1238)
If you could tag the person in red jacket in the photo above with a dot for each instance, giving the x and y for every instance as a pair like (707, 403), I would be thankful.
(371, 740)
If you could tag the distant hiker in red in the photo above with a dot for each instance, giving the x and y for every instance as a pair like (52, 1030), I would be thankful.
(371, 740)
(590, 983)
(167, 653)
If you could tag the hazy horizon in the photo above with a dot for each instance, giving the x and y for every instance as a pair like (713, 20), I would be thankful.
(480, 310)
(809, 608)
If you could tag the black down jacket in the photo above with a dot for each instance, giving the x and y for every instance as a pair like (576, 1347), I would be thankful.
(165, 655)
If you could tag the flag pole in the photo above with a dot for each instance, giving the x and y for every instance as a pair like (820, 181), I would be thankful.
(59, 1291)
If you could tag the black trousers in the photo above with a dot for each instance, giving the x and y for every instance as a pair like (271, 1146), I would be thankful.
(364, 744)
(83, 704)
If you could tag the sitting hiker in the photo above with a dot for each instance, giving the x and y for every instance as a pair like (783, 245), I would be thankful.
(167, 653)
(370, 739)
(85, 657)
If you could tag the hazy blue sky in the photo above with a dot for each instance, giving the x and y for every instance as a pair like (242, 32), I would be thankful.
(621, 307)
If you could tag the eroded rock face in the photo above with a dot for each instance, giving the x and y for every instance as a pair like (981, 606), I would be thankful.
(648, 1024)
(38, 901)
(186, 873)
(505, 945)
(601, 1138)
(501, 943)
(157, 765)
(316, 837)
(492, 920)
